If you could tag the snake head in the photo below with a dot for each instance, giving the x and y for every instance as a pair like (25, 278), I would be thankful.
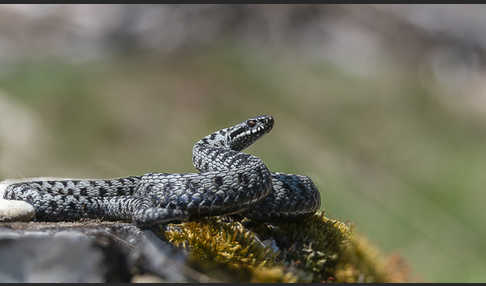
(245, 133)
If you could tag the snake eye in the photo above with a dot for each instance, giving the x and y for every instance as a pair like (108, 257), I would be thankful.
(251, 123)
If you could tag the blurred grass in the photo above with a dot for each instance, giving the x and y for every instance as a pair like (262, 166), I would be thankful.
(389, 154)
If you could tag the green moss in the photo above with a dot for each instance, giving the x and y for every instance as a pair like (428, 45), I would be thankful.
(317, 249)
(230, 246)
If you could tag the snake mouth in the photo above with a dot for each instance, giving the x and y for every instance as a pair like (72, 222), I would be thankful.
(267, 122)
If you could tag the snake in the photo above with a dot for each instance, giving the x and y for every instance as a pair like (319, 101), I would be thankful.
(229, 182)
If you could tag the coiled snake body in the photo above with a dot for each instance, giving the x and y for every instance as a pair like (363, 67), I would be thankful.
(229, 182)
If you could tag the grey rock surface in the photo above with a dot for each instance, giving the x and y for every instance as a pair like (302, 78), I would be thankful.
(89, 251)
(42, 259)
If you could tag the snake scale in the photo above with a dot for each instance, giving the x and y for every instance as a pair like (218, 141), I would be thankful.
(229, 182)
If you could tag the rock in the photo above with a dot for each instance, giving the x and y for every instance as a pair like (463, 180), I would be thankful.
(45, 259)
(90, 251)
(160, 258)
(11, 210)
(318, 249)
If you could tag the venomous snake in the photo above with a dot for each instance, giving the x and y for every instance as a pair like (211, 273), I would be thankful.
(229, 182)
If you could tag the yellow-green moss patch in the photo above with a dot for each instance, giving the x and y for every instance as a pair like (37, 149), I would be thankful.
(315, 249)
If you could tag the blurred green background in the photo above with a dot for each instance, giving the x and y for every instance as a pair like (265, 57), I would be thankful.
(379, 104)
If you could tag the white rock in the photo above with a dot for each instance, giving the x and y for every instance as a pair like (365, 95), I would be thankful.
(11, 210)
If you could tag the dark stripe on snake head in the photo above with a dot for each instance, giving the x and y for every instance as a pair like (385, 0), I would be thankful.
(236, 133)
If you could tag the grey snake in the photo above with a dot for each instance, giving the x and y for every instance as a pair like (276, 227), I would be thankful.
(229, 182)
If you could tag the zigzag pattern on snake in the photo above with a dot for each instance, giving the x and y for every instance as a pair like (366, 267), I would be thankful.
(229, 182)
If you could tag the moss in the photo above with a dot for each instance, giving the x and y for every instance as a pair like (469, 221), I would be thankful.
(316, 249)
(231, 246)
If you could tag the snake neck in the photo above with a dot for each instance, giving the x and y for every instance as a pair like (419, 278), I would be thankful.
(220, 150)
(209, 158)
